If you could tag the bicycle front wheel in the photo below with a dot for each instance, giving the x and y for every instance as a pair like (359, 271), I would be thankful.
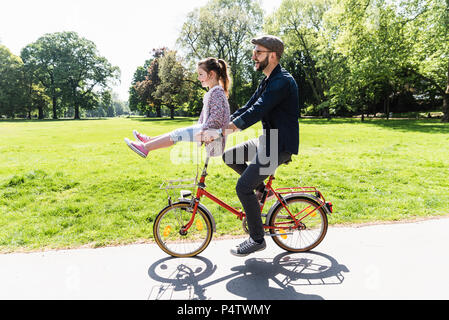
(303, 232)
(171, 236)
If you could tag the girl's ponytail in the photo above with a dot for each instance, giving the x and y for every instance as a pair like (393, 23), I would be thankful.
(224, 76)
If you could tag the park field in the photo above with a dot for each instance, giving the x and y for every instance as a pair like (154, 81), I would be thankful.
(66, 183)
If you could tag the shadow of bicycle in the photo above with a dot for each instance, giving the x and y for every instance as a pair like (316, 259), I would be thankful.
(278, 278)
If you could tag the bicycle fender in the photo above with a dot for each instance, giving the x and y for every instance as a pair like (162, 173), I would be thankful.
(311, 197)
(296, 195)
(202, 207)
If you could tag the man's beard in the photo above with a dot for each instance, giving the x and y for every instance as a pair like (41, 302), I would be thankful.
(262, 65)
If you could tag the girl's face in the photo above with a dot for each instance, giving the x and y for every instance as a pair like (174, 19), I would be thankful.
(206, 79)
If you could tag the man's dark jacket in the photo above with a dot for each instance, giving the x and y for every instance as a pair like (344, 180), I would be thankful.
(276, 104)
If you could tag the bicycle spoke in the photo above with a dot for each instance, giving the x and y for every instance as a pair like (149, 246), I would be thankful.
(171, 236)
(310, 229)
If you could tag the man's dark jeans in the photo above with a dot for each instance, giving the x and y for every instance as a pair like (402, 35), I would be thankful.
(252, 177)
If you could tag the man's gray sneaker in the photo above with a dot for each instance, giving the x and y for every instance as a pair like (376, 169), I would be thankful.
(247, 247)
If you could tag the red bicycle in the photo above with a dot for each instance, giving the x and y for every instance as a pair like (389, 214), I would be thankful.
(297, 221)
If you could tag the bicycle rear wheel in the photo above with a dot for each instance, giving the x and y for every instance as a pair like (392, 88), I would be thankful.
(169, 233)
(307, 234)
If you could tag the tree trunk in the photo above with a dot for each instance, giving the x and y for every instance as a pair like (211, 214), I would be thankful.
(312, 84)
(75, 99)
(77, 112)
(446, 106)
(55, 116)
(312, 77)
(326, 113)
(41, 112)
(53, 97)
(232, 103)
(233, 106)
(172, 112)
(387, 107)
(158, 112)
(446, 99)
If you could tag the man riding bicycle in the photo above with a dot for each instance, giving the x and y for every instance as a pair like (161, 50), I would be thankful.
(276, 104)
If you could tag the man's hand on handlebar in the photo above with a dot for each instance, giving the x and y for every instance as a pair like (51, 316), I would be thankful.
(210, 135)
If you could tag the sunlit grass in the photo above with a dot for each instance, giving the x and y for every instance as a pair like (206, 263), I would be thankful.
(73, 183)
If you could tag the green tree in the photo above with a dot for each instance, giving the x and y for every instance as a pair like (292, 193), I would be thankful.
(365, 55)
(172, 90)
(145, 83)
(12, 86)
(369, 53)
(300, 24)
(137, 102)
(223, 29)
(71, 69)
(429, 60)
(373, 43)
(43, 57)
(87, 75)
(37, 99)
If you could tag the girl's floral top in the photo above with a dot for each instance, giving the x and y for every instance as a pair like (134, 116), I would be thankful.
(215, 115)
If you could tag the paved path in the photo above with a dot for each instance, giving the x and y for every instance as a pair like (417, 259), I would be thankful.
(392, 261)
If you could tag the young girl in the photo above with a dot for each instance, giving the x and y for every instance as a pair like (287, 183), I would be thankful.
(213, 74)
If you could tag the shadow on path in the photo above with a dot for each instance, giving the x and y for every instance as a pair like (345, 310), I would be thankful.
(280, 278)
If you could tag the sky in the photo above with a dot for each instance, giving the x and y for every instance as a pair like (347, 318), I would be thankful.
(125, 32)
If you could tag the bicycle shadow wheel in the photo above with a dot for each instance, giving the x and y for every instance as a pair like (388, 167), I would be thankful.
(180, 278)
(310, 268)
(280, 278)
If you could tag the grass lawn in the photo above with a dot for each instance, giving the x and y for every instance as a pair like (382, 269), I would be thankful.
(67, 184)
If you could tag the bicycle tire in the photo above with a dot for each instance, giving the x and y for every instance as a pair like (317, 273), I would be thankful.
(308, 235)
(169, 237)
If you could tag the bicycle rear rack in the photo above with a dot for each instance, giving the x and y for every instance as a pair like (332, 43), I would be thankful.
(170, 185)
(311, 190)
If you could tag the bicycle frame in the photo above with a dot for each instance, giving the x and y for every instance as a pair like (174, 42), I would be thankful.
(240, 215)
